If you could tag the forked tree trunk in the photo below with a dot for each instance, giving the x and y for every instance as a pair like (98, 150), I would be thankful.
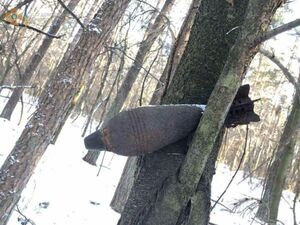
(193, 82)
(177, 201)
(161, 194)
(36, 58)
(54, 103)
(276, 176)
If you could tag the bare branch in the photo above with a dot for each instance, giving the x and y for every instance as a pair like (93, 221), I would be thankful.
(154, 77)
(26, 220)
(15, 86)
(294, 206)
(284, 70)
(32, 28)
(238, 168)
(71, 13)
(21, 4)
(278, 30)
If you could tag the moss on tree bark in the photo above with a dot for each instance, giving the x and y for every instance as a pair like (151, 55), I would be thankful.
(193, 82)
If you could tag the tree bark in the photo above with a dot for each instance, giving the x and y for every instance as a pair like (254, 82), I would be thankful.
(151, 34)
(277, 173)
(176, 54)
(54, 103)
(177, 193)
(36, 58)
(127, 178)
(193, 82)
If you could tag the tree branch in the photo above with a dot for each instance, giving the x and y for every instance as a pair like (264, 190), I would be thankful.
(32, 28)
(143, 68)
(15, 86)
(21, 4)
(71, 13)
(284, 70)
(278, 30)
(236, 171)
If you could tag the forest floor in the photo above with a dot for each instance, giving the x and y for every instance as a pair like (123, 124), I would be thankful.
(65, 190)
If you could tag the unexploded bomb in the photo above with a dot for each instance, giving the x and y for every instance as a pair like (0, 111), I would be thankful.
(147, 129)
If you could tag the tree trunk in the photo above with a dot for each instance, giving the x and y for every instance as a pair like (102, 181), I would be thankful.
(36, 58)
(279, 168)
(196, 75)
(176, 54)
(176, 198)
(151, 34)
(54, 103)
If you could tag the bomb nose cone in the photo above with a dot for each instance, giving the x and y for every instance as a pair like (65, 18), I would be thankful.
(93, 141)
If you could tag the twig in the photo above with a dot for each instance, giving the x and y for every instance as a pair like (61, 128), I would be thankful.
(252, 204)
(22, 110)
(121, 50)
(253, 171)
(294, 206)
(284, 70)
(146, 75)
(72, 14)
(32, 28)
(154, 9)
(15, 86)
(101, 164)
(240, 163)
(26, 220)
(269, 34)
(230, 210)
(21, 4)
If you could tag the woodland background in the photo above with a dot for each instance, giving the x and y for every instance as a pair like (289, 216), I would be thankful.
(141, 44)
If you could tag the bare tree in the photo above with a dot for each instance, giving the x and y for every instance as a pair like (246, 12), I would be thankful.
(36, 58)
(56, 99)
(277, 173)
(151, 34)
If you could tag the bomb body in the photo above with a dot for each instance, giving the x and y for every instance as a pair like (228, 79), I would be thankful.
(145, 129)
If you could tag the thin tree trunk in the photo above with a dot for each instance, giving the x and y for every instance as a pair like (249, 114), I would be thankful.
(175, 55)
(54, 103)
(151, 34)
(92, 156)
(279, 168)
(36, 58)
(66, 55)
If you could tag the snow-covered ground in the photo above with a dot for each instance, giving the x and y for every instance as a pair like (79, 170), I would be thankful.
(65, 190)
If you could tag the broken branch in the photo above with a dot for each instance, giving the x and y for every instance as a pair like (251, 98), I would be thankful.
(71, 13)
(284, 70)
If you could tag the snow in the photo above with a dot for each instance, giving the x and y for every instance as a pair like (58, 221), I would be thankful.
(65, 190)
